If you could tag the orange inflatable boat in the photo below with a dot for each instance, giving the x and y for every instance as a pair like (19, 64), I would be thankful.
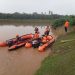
(16, 46)
(3, 44)
(20, 44)
(27, 40)
(13, 41)
(48, 41)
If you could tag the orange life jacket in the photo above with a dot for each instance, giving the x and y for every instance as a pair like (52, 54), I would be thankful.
(66, 24)
(36, 35)
(44, 39)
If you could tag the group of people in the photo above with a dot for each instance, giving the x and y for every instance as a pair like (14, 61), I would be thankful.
(36, 39)
(36, 35)
(46, 32)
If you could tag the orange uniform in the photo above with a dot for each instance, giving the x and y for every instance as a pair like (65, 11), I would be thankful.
(36, 36)
(66, 24)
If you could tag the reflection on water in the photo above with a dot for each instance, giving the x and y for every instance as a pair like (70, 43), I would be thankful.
(9, 31)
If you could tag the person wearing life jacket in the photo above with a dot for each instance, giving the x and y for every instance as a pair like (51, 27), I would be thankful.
(36, 40)
(47, 30)
(18, 38)
(36, 36)
(36, 30)
(66, 25)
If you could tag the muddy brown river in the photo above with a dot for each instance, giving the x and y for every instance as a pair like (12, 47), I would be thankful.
(22, 61)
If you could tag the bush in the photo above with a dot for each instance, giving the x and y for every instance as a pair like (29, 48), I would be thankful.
(72, 21)
(58, 22)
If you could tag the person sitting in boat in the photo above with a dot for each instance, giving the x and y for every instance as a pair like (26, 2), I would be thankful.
(36, 30)
(18, 38)
(36, 36)
(36, 40)
(47, 30)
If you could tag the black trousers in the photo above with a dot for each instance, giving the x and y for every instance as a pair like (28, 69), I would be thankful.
(65, 29)
(47, 33)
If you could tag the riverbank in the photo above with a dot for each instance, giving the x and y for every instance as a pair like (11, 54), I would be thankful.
(62, 59)
(25, 21)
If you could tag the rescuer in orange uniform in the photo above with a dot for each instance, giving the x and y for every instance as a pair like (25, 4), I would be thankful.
(66, 25)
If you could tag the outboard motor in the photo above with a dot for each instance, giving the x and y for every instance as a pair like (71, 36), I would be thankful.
(36, 43)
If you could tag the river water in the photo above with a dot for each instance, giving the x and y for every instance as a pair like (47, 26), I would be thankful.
(22, 61)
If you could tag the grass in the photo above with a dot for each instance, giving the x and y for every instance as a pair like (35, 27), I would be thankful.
(62, 62)
(67, 46)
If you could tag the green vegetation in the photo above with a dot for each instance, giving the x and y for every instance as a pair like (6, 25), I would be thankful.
(59, 22)
(36, 19)
(54, 19)
(62, 60)
(28, 18)
(35, 15)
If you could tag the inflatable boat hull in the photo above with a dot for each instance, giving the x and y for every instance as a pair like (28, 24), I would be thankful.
(13, 41)
(49, 42)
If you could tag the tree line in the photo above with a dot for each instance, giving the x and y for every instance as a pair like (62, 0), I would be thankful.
(58, 20)
(34, 15)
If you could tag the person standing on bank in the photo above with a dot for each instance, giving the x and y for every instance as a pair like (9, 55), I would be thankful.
(66, 25)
